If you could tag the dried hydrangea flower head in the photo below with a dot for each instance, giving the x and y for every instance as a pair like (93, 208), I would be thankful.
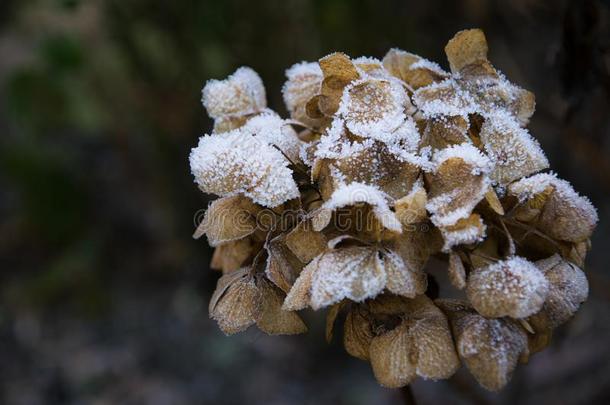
(383, 164)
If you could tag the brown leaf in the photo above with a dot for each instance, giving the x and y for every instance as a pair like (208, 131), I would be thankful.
(283, 267)
(391, 357)
(457, 273)
(305, 242)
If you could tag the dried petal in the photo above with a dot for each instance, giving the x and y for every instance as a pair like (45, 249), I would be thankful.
(568, 288)
(357, 333)
(305, 242)
(354, 272)
(402, 279)
(338, 72)
(242, 93)
(304, 82)
(513, 287)
(272, 319)
(457, 183)
(466, 48)
(391, 357)
(283, 267)
(225, 164)
(233, 255)
(228, 219)
(412, 69)
(565, 214)
(457, 272)
(490, 348)
(239, 304)
(512, 150)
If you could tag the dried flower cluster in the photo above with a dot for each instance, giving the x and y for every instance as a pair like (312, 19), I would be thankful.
(383, 165)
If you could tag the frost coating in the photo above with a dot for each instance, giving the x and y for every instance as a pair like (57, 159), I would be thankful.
(514, 287)
(224, 164)
(241, 93)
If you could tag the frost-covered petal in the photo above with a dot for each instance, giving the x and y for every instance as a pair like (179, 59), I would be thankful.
(402, 279)
(457, 184)
(304, 82)
(444, 98)
(236, 162)
(228, 219)
(513, 151)
(568, 288)
(241, 93)
(355, 273)
(465, 231)
(514, 287)
(443, 131)
(275, 131)
(412, 69)
(490, 348)
(564, 215)
(373, 107)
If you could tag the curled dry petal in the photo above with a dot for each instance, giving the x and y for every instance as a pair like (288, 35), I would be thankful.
(305, 242)
(467, 47)
(421, 345)
(568, 288)
(512, 150)
(228, 219)
(412, 69)
(231, 256)
(338, 71)
(563, 213)
(240, 94)
(457, 272)
(236, 303)
(490, 348)
(224, 164)
(283, 267)
(272, 319)
(513, 287)
(357, 333)
(457, 184)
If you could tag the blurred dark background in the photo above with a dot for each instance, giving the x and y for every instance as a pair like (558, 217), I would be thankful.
(103, 293)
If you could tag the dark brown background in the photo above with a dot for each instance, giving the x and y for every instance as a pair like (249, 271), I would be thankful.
(103, 293)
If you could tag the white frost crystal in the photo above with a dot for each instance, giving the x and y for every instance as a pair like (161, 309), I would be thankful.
(240, 94)
(224, 164)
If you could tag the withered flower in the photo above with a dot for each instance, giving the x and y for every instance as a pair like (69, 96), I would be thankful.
(383, 164)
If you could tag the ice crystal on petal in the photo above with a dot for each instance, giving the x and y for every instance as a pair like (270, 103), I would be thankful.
(355, 273)
(512, 149)
(444, 98)
(236, 163)
(241, 93)
(373, 107)
(513, 287)
(275, 131)
(355, 193)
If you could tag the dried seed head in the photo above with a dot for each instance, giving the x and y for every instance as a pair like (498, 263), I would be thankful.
(513, 287)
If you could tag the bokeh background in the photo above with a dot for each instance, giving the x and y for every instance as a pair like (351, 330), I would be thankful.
(103, 293)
